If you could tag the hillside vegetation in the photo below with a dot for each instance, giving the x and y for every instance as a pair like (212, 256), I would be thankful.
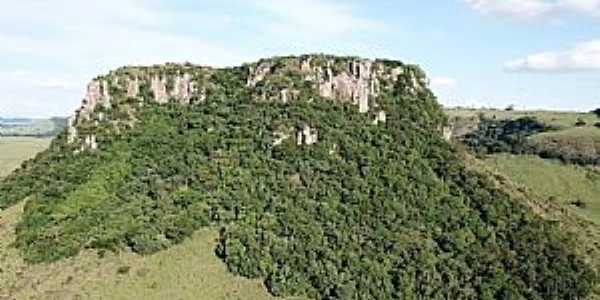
(578, 145)
(312, 195)
(190, 270)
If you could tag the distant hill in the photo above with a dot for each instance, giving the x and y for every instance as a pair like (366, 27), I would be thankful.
(326, 177)
(32, 127)
(572, 137)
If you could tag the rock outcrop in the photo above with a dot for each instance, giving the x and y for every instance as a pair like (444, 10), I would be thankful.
(347, 79)
(359, 85)
(97, 94)
(306, 136)
(380, 118)
(133, 88)
(159, 90)
(183, 88)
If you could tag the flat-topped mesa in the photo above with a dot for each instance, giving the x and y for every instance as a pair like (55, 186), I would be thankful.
(114, 98)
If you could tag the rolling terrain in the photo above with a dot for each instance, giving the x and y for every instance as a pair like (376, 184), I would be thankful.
(23, 127)
(559, 163)
(318, 176)
(566, 184)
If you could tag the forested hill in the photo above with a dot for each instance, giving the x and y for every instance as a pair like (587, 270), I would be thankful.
(328, 177)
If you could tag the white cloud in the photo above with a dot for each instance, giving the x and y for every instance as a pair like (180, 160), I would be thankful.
(106, 33)
(583, 57)
(314, 17)
(536, 9)
(439, 82)
(41, 81)
(36, 93)
(65, 43)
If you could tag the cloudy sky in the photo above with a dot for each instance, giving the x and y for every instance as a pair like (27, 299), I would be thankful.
(532, 53)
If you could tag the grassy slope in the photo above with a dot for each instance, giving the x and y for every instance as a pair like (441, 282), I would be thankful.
(565, 183)
(187, 271)
(507, 178)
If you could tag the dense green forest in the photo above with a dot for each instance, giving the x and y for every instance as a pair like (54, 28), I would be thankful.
(496, 136)
(385, 211)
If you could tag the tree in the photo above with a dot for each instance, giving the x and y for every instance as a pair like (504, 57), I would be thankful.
(580, 122)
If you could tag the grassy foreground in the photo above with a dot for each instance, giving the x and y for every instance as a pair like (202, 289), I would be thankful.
(564, 183)
(190, 270)
(187, 271)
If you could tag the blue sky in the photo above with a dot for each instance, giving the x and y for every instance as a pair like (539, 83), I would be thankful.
(531, 53)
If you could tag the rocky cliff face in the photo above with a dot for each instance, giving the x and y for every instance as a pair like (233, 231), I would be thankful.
(348, 79)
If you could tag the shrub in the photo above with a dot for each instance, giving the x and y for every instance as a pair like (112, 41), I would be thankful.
(122, 270)
(580, 123)
(494, 136)
(579, 203)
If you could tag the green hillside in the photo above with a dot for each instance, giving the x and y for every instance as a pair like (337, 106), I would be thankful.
(327, 177)
(568, 185)
(190, 270)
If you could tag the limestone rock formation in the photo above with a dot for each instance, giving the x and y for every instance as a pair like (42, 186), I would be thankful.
(282, 79)
(280, 137)
(97, 94)
(133, 88)
(159, 90)
(358, 85)
(306, 136)
(380, 118)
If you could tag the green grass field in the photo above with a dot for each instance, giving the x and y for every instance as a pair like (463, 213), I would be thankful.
(190, 270)
(14, 150)
(553, 180)
(557, 119)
